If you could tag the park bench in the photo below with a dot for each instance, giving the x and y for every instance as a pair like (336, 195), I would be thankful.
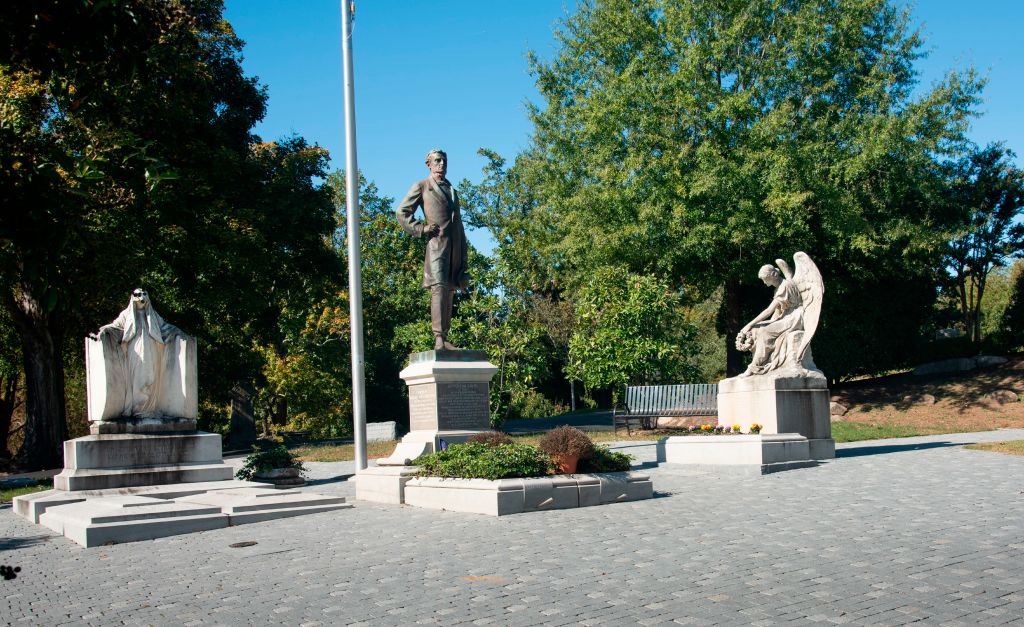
(646, 403)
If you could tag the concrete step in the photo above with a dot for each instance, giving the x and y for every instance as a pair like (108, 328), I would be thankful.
(251, 516)
(253, 499)
(32, 506)
(108, 478)
(132, 517)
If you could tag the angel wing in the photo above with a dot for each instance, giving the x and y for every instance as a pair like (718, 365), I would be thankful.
(808, 281)
(786, 271)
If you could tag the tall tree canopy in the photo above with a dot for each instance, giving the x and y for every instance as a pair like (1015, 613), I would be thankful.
(697, 139)
(128, 158)
(989, 188)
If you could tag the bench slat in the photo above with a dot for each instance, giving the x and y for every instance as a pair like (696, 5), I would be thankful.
(698, 399)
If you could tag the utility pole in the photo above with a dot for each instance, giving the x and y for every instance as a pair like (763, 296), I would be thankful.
(355, 274)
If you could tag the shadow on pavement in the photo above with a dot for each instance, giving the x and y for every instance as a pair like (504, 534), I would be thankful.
(336, 479)
(11, 544)
(858, 451)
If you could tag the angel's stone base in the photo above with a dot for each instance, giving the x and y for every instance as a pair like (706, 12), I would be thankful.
(144, 424)
(794, 403)
(107, 461)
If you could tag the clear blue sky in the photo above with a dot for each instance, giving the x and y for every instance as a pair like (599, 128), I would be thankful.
(453, 74)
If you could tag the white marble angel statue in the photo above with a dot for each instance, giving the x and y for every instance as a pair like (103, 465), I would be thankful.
(140, 366)
(780, 336)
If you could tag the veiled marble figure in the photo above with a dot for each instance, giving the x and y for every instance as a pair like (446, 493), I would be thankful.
(141, 367)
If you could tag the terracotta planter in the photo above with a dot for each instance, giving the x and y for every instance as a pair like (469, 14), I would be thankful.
(566, 463)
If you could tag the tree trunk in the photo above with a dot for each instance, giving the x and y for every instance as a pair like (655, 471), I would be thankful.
(280, 415)
(976, 331)
(733, 324)
(45, 424)
(8, 403)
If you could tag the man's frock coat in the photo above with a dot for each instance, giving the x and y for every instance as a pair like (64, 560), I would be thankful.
(444, 262)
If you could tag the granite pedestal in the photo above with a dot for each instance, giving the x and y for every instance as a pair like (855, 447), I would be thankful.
(781, 404)
(758, 454)
(99, 462)
(449, 401)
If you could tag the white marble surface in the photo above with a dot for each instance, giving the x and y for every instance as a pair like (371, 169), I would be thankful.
(141, 367)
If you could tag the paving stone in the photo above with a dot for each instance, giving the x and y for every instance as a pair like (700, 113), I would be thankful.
(885, 534)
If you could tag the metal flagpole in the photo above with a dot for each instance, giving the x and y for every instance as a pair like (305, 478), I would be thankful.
(355, 278)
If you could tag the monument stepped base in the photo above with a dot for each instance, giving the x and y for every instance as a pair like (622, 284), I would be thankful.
(116, 516)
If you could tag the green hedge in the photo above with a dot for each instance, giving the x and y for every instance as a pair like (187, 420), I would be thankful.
(474, 460)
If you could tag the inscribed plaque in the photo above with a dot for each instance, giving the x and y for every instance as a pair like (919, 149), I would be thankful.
(463, 406)
(422, 407)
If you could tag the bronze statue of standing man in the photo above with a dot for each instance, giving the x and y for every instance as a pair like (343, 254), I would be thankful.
(444, 264)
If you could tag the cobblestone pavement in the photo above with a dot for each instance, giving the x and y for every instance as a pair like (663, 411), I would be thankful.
(896, 531)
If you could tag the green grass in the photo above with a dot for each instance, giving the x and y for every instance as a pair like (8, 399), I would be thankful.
(841, 432)
(1011, 447)
(341, 452)
(857, 431)
(8, 494)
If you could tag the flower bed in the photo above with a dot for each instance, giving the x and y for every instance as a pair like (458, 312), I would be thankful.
(491, 456)
(492, 475)
(708, 429)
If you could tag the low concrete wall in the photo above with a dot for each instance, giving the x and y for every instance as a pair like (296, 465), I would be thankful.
(381, 431)
(515, 496)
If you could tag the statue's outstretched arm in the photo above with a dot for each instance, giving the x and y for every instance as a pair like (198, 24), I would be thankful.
(117, 325)
(761, 317)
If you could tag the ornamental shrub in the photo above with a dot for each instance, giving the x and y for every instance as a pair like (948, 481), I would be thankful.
(261, 461)
(605, 460)
(491, 438)
(566, 440)
(476, 460)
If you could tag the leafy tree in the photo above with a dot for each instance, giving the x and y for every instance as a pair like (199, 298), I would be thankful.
(1012, 327)
(128, 160)
(709, 350)
(694, 140)
(998, 291)
(990, 189)
(312, 377)
(10, 380)
(500, 322)
(629, 331)
(505, 203)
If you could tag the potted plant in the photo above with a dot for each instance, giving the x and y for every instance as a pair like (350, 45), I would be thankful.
(277, 466)
(567, 446)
